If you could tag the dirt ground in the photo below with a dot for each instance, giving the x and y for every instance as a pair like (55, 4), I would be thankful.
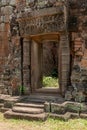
(6, 124)
(50, 124)
(13, 126)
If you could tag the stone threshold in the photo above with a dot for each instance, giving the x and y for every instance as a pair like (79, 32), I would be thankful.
(48, 90)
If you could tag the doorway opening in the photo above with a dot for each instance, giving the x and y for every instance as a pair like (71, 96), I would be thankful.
(50, 78)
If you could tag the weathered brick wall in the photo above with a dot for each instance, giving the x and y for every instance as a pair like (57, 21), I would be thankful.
(78, 28)
(78, 31)
(3, 35)
(4, 30)
(6, 8)
(10, 50)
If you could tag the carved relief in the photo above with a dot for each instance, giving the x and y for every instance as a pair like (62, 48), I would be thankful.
(45, 24)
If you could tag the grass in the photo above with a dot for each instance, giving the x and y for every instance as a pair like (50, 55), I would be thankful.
(50, 124)
(50, 81)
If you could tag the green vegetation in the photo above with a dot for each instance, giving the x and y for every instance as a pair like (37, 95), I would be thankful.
(50, 81)
(22, 89)
(50, 124)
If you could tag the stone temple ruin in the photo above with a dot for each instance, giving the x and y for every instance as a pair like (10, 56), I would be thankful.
(25, 28)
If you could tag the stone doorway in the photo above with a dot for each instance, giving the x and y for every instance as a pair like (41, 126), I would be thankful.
(37, 62)
(32, 64)
(39, 67)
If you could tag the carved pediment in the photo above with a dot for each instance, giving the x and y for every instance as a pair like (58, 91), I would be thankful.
(42, 21)
(42, 16)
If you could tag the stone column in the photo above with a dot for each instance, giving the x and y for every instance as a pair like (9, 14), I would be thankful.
(26, 65)
(36, 66)
(64, 63)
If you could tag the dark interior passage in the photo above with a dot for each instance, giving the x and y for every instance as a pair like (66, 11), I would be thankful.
(50, 64)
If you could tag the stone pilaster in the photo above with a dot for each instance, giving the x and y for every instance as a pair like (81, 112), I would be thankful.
(26, 65)
(36, 65)
(64, 62)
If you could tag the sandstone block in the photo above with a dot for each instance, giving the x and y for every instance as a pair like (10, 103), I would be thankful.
(2, 19)
(2, 11)
(8, 10)
(13, 2)
(5, 2)
(2, 27)
(47, 106)
(57, 108)
(68, 95)
(6, 18)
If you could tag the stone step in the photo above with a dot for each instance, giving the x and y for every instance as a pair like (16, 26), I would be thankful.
(28, 110)
(48, 90)
(1, 105)
(33, 105)
(15, 115)
(32, 100)
(3, 109)
(66, 116)
(39, 98)
(67, 106)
